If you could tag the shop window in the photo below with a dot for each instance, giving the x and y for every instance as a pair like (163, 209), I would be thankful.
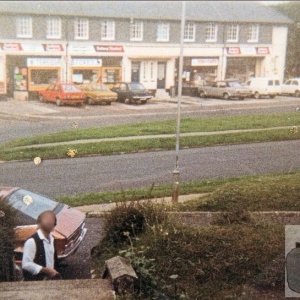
(211, 32)
(108, 30)
(232, 33)
(163, 32)
(54, 28)
(253, 31)
(81, 29)
(24, 27)
(189, 32)
(270, 82)
(136, 31)
(39, 76)
(111, 75)
(80, 76)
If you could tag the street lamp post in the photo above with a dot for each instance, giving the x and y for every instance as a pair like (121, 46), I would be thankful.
(176, 173)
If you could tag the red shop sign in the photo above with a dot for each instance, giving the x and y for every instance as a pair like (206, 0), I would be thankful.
(11, 46)
(108, 48)
(262, 50)
(53, 47)
(233, 50)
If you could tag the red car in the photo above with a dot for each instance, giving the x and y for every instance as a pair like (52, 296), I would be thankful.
(68, 233)
(62, 93)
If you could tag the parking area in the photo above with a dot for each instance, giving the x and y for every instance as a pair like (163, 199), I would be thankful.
(36, 108)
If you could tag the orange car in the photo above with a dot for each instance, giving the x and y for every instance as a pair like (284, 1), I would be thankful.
(68, 233)
(62, 93)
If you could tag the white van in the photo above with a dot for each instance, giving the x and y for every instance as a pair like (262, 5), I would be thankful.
(264, 86)
(291, 87)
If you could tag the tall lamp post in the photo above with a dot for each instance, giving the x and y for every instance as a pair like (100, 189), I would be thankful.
(176, 173)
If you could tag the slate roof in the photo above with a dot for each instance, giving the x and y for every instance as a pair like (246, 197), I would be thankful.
(222, 11)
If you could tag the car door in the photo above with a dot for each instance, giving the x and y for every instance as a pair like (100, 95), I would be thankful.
(123, 92)
(50, 92)
(220, 89)
(286, 87)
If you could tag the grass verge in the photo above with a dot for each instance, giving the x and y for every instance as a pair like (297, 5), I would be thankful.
(264, 183)
(204, 124)
(120, 147)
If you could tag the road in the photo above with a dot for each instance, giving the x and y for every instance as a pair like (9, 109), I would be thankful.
(102, 173)
(117, 113)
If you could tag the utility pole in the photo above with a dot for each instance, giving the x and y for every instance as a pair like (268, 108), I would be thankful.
(176, 173)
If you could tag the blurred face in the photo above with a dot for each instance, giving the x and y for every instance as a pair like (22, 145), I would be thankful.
(47, 222)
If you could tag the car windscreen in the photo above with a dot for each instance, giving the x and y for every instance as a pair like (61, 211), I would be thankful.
(99, 87)
(136, 86)
(70, 88)
(29, 203)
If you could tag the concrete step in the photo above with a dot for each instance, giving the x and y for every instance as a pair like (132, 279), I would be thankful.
(99, 289)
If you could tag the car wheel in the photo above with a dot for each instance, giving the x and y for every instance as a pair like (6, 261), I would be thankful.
(58, 102)
(108, 103)
(297, 94)
(272, 96)
(41, 98)
(256, 95)
(201, 94)
(89, 101)
(144, 102)
(241, 98)
(225, 96)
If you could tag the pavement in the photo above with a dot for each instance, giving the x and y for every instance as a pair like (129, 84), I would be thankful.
(71, 176)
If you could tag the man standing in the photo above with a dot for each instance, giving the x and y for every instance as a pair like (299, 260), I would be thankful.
(39, 257)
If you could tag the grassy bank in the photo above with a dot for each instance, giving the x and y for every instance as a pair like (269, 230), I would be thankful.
(267, 193)
(120, 147)
(288, 184)
(203, 124)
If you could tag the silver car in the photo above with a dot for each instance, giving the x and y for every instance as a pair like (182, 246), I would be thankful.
(227, 89)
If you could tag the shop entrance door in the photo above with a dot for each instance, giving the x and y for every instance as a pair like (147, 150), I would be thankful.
(135, 72)
(161, 75)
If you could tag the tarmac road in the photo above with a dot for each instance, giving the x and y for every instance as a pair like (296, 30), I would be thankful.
(99, 173)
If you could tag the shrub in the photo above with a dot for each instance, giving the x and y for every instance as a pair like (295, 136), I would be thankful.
(7, 222)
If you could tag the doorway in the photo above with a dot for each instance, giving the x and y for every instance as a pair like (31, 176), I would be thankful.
(135, 72)
(161, 75)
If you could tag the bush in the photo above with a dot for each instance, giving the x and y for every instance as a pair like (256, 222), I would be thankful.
(187, 263)
(7, 223)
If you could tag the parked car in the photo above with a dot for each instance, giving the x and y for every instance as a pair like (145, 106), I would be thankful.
(62, 93)
(68, 233)
(98, 93)
(291, 87)
(227, 89)
(132, 92)
(264, 86)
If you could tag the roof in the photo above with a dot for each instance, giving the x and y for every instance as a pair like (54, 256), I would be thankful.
(222, 11)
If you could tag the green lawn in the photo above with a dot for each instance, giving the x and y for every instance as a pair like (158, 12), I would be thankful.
(204, 124)
(121, 147)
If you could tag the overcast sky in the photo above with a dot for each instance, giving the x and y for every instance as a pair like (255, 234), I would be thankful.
(272, 2)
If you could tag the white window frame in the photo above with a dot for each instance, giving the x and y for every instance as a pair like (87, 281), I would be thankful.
(77, 35)
(163, 32)
(51, 35)
(108, 30)
(228, 37)
(134, 29)
(250, 33)
(21, 22)
(189, 26)
(212, 28)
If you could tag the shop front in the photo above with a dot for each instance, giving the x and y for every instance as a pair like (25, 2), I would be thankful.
(2, 76)
(244, 63)
(196, 70)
